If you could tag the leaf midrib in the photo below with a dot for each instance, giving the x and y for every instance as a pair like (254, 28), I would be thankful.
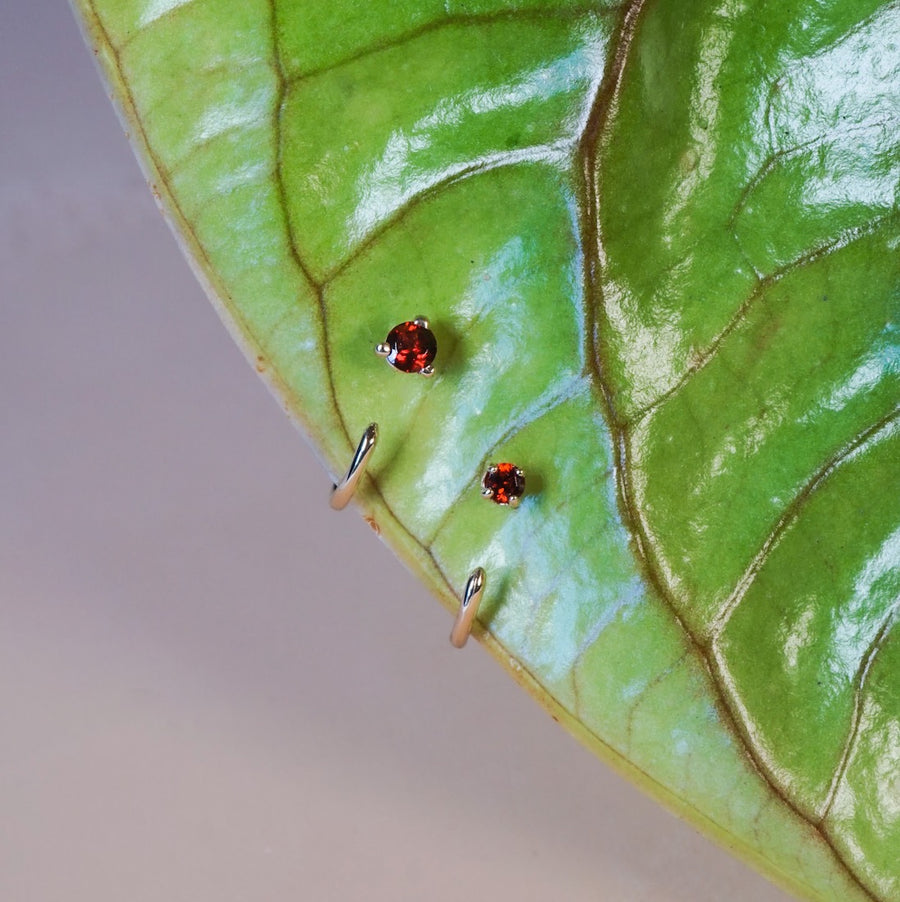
(605, 106)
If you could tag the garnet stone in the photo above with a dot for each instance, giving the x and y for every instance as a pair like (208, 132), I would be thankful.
(410, 347)
(503, 484)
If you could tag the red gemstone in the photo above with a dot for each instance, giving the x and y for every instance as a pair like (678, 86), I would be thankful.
(413, 347)
(504, 482)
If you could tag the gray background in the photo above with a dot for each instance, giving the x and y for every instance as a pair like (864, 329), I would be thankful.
(211, 686)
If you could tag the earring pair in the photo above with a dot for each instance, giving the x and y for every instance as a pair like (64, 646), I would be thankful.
(340, 498)
(411, 347)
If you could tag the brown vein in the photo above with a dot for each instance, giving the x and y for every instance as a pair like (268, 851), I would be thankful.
(167, 16)
(859, 684)
(533, 154)
(868, 437)
(319, 291)
(762, 286)
(664, 674)
(602, 113)
(456, 20)
(159, 174)
(776, 157)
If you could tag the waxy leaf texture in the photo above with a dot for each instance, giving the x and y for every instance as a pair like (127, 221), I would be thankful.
(659, 245)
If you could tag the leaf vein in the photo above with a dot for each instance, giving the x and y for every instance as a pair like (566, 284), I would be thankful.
(454, 20)
(595, 261)
(870, 436)
(709, 353)
(859, 684)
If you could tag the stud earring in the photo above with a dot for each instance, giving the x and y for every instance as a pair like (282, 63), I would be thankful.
(468, 608)
(503, 484)
(343, 491)
(410, 347)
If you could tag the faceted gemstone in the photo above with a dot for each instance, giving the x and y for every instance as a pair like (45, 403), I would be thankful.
(505, 482)
(413, 347)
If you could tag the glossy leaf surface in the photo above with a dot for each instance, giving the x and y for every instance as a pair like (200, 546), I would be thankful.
(658, 244)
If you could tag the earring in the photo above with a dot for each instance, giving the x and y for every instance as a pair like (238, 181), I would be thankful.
(468, 608)
(410, 347)
(503, 484)
(343, 491)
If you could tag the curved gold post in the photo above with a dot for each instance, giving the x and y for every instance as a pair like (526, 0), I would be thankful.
(468, 608)
(343, 491)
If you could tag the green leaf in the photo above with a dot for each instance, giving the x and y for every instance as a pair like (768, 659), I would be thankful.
(658, 244)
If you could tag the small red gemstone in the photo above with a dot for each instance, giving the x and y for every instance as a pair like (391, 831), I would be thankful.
(413, 347)
(505, 481)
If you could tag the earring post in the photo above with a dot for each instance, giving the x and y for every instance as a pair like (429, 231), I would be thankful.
(468, 608)
(344, 490)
